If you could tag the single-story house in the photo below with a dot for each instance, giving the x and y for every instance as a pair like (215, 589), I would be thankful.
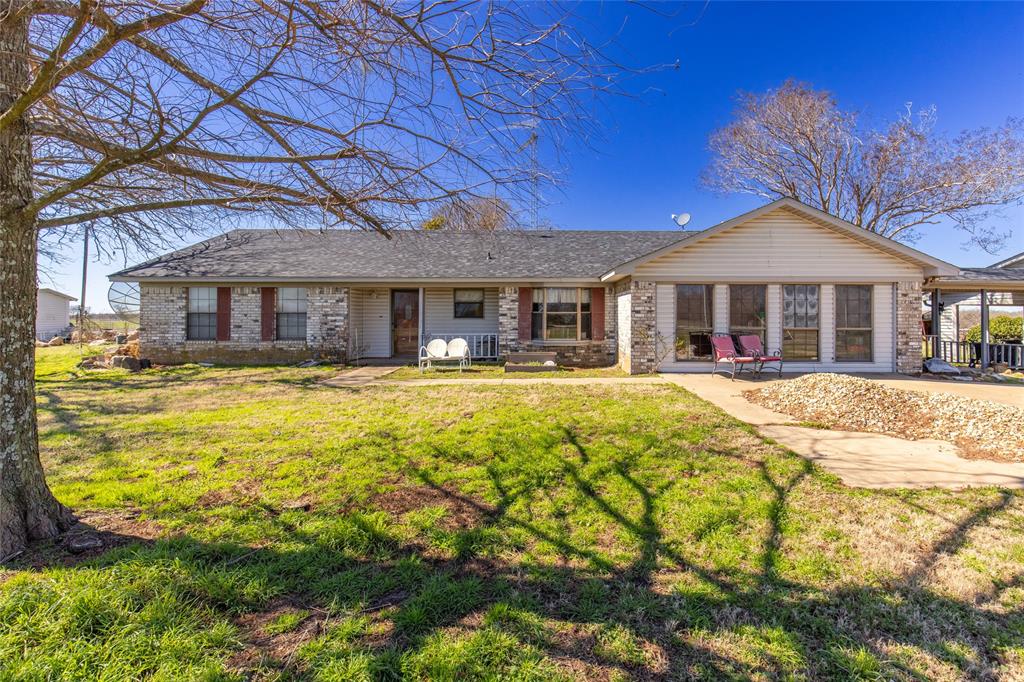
(53, 313)
(831, 295)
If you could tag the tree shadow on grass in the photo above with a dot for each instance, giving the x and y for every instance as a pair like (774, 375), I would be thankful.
(365, 597)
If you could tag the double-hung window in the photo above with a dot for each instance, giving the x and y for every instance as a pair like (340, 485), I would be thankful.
(747, 310)
(853, 323)
(291, 313)
(694, 314)
(800, 321)
(469, 303)
(561, 314)
(202, 314)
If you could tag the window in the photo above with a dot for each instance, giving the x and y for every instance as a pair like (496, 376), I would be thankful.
(853, 323)
(800, 321)
(746, 310)
(561, 314)
(291, 313)
(469, 303)
(202, 313)
(694, 307)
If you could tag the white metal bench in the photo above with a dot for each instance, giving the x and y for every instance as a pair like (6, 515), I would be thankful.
(439, 352)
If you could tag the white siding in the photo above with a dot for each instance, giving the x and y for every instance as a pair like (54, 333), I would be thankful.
(720, 310)
(623, 308)
(779, 247)
(52, 315)
(773, 317)
(440, 318)
(370, 323)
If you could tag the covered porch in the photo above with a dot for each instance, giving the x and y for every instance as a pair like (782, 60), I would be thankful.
(993, 287)
(393, 322)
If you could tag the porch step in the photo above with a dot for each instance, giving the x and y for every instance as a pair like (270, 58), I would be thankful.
(535, 356)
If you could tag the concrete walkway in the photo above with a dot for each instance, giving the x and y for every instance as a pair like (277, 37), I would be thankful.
(864, 460)
(359, 376)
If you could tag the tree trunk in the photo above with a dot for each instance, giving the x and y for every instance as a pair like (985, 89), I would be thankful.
(28, 510)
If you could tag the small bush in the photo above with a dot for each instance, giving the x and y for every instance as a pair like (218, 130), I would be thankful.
(1000, 328)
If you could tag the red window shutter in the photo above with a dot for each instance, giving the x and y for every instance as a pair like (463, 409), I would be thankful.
(525, 313)
(268, 310)
(223, 313)
(597, 314)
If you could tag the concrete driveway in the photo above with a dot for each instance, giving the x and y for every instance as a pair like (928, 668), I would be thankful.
(870, 460)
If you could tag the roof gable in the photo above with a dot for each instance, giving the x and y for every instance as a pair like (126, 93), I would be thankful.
(1011, 262)
(925, 264)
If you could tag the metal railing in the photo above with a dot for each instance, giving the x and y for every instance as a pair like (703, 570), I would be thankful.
(969, 352)
(481, 346)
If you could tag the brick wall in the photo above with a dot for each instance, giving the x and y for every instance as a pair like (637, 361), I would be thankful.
(577, 354)
(908, 327)
(643, 351)
(163, 322)
(508, 320)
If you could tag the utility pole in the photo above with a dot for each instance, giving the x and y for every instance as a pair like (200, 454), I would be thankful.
(81, 301)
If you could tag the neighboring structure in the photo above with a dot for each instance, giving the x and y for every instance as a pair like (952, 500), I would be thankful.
(53, 313)
(961, 309)
(833, 296)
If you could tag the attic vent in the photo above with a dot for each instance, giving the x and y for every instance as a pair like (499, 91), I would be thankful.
(545, 236)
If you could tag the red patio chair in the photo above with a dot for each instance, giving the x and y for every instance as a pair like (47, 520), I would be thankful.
(751, 345)
(723, 350)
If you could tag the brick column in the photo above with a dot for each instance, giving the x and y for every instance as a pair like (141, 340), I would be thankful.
(908, 328)
(643, 352)
(327, 318)
(508, 320)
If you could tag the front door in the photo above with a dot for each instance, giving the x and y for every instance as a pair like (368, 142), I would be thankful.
(405, 322)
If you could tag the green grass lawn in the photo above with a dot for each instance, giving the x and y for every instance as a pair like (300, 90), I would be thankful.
(266, 526)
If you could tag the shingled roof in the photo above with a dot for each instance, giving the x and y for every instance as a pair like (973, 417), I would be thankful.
(350, 255)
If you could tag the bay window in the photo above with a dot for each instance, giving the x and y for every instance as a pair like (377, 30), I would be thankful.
(561, 314)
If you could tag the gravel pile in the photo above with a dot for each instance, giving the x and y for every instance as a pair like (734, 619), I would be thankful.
(982, 429)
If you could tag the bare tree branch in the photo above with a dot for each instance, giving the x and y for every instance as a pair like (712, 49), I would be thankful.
(796, 142)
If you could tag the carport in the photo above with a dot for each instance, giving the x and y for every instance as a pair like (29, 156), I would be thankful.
(985, 282)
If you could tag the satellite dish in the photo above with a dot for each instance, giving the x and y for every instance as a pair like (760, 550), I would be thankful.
(124, 298)
(681, 219)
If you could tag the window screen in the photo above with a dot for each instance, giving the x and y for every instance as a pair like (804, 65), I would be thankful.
(746, 310)
(694, 310)
(853, 323)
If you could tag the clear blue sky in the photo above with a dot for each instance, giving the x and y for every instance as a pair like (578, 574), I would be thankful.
(967, 59)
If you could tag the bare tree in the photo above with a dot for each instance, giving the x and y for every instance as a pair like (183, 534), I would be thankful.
(477, 214)
(145, 120)
(796, 142)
